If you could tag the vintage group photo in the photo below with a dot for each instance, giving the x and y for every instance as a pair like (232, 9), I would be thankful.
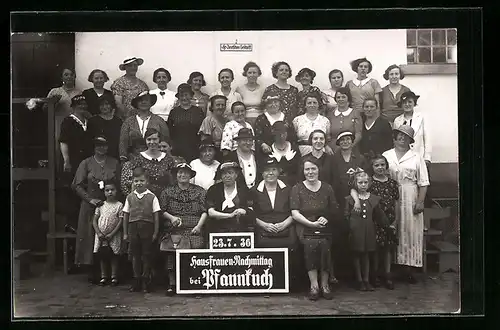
(235, 173)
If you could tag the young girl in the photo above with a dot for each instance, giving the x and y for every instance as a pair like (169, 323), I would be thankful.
(362, 227)
(107, 223)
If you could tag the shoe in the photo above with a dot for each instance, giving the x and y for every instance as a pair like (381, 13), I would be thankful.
(389, 285)
(146, 285)
(103, 281)
(360, 286)
(327, 294)
(170, 291)
(114, 281)
(313, 294)
(136, 285)
(334, 281)
(368, 286)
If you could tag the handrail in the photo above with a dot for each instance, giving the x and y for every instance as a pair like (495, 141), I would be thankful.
(18, 100)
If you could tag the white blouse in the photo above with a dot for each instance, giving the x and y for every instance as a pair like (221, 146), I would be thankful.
(164, 103)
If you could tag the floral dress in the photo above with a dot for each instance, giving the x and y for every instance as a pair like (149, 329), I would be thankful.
(127, 90)
(287, 96)
(304, 127)
(109, 216)
(388, 191)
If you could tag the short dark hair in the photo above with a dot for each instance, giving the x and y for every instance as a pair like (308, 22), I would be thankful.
(373, 159)
(235, 104)
(335, 71)
(111, 182)
(315, 95)
(215, 98)
(311, 159)
(169, 77)
(195, 74)
(314, 132)
(356, 62)
(93, 72)
(226, 70)
(109, 100)
(345, 91)
(370, 99)
(151, 131)
(304, 71)
(72, 70)
(139, 171)
(251, 65)
(275, 67)
(394, 66)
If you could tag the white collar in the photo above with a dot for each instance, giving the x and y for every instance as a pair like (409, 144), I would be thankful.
(358, 82)
(143, 154)
(231, 92)
(289, 153)
(83, 123)
(345, 113)
(272, 120)
(260, 187)
(140, 195)
(140, 120)
(228, 199)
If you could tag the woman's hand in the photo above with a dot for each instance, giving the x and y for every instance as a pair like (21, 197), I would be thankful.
(265, 148)
(357, 207)
(418, 208)
(100, 235)
(329, 150)
(125, 237)
(323, 221)
(271, 228)
(239, 212)
(67, 166)
(176, 222)
(196, 231)
(95, 202)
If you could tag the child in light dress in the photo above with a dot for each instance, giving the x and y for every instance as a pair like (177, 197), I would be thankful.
(107, 224)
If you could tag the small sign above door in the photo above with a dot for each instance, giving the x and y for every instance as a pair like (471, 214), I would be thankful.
(236, 47)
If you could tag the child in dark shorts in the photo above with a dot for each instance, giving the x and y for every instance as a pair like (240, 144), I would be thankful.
(141, 227)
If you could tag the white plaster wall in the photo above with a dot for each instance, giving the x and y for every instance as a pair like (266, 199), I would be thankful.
(321, 50)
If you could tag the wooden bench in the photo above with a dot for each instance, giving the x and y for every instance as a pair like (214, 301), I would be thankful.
(448, 255)
(21, 257)
(64, 236)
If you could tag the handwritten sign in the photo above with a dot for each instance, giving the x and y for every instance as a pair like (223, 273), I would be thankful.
(212, 271)
(231, 241)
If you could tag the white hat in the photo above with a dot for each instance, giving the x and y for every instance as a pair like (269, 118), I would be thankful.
(130, 59)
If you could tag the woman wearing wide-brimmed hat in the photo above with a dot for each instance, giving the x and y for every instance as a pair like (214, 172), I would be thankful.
(206, 165)
(183, 122)
(391, 94)
(137, 125)
(128, 86)
(245, 156)
(408, 168)
(362, 86)
(228, 202)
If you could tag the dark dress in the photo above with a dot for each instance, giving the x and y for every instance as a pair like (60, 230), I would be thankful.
(316, 241)
(289, 165)
(215, 199)
(377, 139)
(93, 100)
(78, 140)
(389, 194)
(264, 134)
(325, 168)
(184, 125)
(287, 96)
(362, 236)
(110, 129)
(341, 174)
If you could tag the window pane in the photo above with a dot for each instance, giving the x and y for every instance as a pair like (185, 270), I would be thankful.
(452, 37)
(411, 37)
(438, 37)
(452, 55)
(424, 55)
(439, 55)
(410, 55)
(424, 37)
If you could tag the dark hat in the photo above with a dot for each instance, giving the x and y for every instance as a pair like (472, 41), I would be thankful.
(270, 162)
(152, 98)
(78, 99)
(344, 133)
(279, 127)
(100, 140)
(244, 133)
(406, 129)
(184, 88)
(208, 142)
(185, 166)
(130, 59)
(272, 97)
(408, 95)
(224, 166)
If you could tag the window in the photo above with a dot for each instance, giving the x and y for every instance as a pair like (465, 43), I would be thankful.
(431, 51)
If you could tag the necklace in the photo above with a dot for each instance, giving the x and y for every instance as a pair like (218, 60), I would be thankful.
(100, 162)
(253, 88)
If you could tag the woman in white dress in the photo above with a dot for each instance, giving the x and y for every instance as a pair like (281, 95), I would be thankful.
(205, 166)
(226, 77)
(408, 168)
(165, 98)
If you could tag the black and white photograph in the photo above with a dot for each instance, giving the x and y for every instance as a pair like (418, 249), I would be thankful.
(173, 174)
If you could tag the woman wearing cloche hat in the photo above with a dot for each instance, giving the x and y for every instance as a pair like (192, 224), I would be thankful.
(128, 86)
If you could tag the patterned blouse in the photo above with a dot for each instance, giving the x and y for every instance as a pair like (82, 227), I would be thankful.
(230, 131)
(202, 102)
(214, 128)
(304, 127)
(189, 204)
(287, 96)
(127, 90)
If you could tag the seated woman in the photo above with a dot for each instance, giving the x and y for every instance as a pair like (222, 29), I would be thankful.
(245, 156)
(271, 204)
(228, 202)
(213, 125)
(198, 99)
(232, 128)
(183, 207)
(314, 207)
(205, 166)
(317, 140)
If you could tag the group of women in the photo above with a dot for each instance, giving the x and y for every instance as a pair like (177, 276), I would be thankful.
(274, 160)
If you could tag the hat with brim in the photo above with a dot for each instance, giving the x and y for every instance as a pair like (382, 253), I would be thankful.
(182, 88)
(344, 133)
(130, 59)
(207, 143)
(279, 127)
(100, 140)
(183, 166)
(225, 166)
(270, 162)
(406, 96)
(152, 98)
(407, 130)
(244, 133)
(78, 99)
(271, 98)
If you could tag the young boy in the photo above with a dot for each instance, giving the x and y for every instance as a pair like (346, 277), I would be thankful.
(141, 224)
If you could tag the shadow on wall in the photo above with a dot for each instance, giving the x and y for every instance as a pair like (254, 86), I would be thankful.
(444, 177)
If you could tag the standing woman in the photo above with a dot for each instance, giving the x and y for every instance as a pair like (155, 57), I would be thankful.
(226, 77)
(245, 156)
(199, 99)
(231, 129)
(184, 122)
(305, 124)
(306, 77)
(165, 98)
(136, 126)
(317, 139)
(336, 78)
(391, 94)
(93, 95)
(128, 87)
(377, 132)
(213, 126)
(107, 124)
(408, 168)
(362, 86)
(88, 184)
(286, 92)
(252, 92)
(206, 166)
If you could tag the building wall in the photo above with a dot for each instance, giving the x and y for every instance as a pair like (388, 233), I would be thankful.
(320, 50)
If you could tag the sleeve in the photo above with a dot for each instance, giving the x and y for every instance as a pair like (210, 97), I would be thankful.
(117, 88)
(79, 181)
(422, 174)
(265, 94)
(163, 128)
(386, 136)
(164, 200)
(65, 133)
(126, 178)
(358, 123)
(332, 201)
(97, 211)
(227, 138)
(260, 122)
(124, 135)
(347, 208)
(328, 130)
(395, 188)
(156, 205)
(211, 200)
(238, 97)
(427, 140)
(120, 210)
(295, 198)
(201, 199)
(205, 128)
(376, 86)
(126, 207)
(379, 216)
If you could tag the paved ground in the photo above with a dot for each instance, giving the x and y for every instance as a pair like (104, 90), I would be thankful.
(71, 296)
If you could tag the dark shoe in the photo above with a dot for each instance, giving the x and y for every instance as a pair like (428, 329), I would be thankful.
(170, 291)
(103, 281)
(333, 280)
(136, 285)
(327, 294)
(389, 285)
(114, 281)
(368, 286)
(313, 294)
(360, 286)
